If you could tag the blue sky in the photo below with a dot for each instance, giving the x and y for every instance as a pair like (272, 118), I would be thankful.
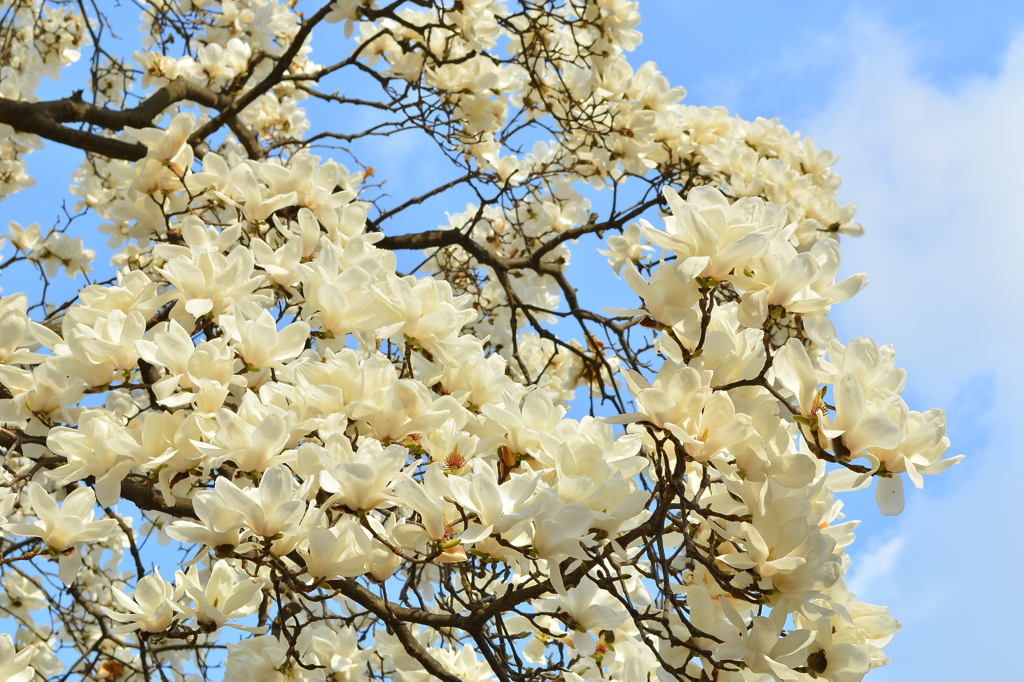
(925, 102)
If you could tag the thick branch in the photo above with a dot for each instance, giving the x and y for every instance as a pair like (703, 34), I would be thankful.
(26, 118)
(46, 119)
(148, 498)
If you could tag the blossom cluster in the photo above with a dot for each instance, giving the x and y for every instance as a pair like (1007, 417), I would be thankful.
(37, 40)
(374, 475)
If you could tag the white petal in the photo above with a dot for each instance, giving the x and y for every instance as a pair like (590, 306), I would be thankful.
(889, 495)
(69, 564)
(753, 309)
(874, 431)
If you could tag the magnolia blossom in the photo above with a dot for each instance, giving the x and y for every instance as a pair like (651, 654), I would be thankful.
(150, 608)
(363, 484)
(585, 614)
(257, 658)
(259, 343)
(626, 248)
(65, 529)
(15, 664)
(224, 597)
(269, 508)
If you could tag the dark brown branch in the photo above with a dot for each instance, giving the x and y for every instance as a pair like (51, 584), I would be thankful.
(46, 119)
(148, 498)
(26, 118)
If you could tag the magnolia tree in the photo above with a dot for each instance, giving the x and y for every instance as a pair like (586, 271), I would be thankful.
(265, 445)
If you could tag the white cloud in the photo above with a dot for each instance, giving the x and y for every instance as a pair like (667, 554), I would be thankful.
(937, 175)
(870, 567)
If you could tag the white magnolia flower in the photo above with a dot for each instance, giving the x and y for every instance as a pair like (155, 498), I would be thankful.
(861, 428)
(258, 658)
(151, 608)
(270, 508)
(589, 610)
(340, 551)
(226, 596)
(765, 651)
(677, 395)
(366, 483)
(259, 343)
(707, 226)
(14, 666)
(558, 534)
(208, 282)
(715, 429)
(523, 423)
(99, 447)
(220, 525)
(338, 649)
(626, 248)
(66, 529)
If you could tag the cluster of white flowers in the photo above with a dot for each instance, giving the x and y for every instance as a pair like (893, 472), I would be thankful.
(37, 41)
(373, 475)
(53, 252)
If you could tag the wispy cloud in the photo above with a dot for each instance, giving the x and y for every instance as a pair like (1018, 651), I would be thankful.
(937, 176)
(870, 567)
(936, 172)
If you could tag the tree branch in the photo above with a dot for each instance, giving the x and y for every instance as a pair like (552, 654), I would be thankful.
(29, 118)
(46, 119)
(273, 78)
